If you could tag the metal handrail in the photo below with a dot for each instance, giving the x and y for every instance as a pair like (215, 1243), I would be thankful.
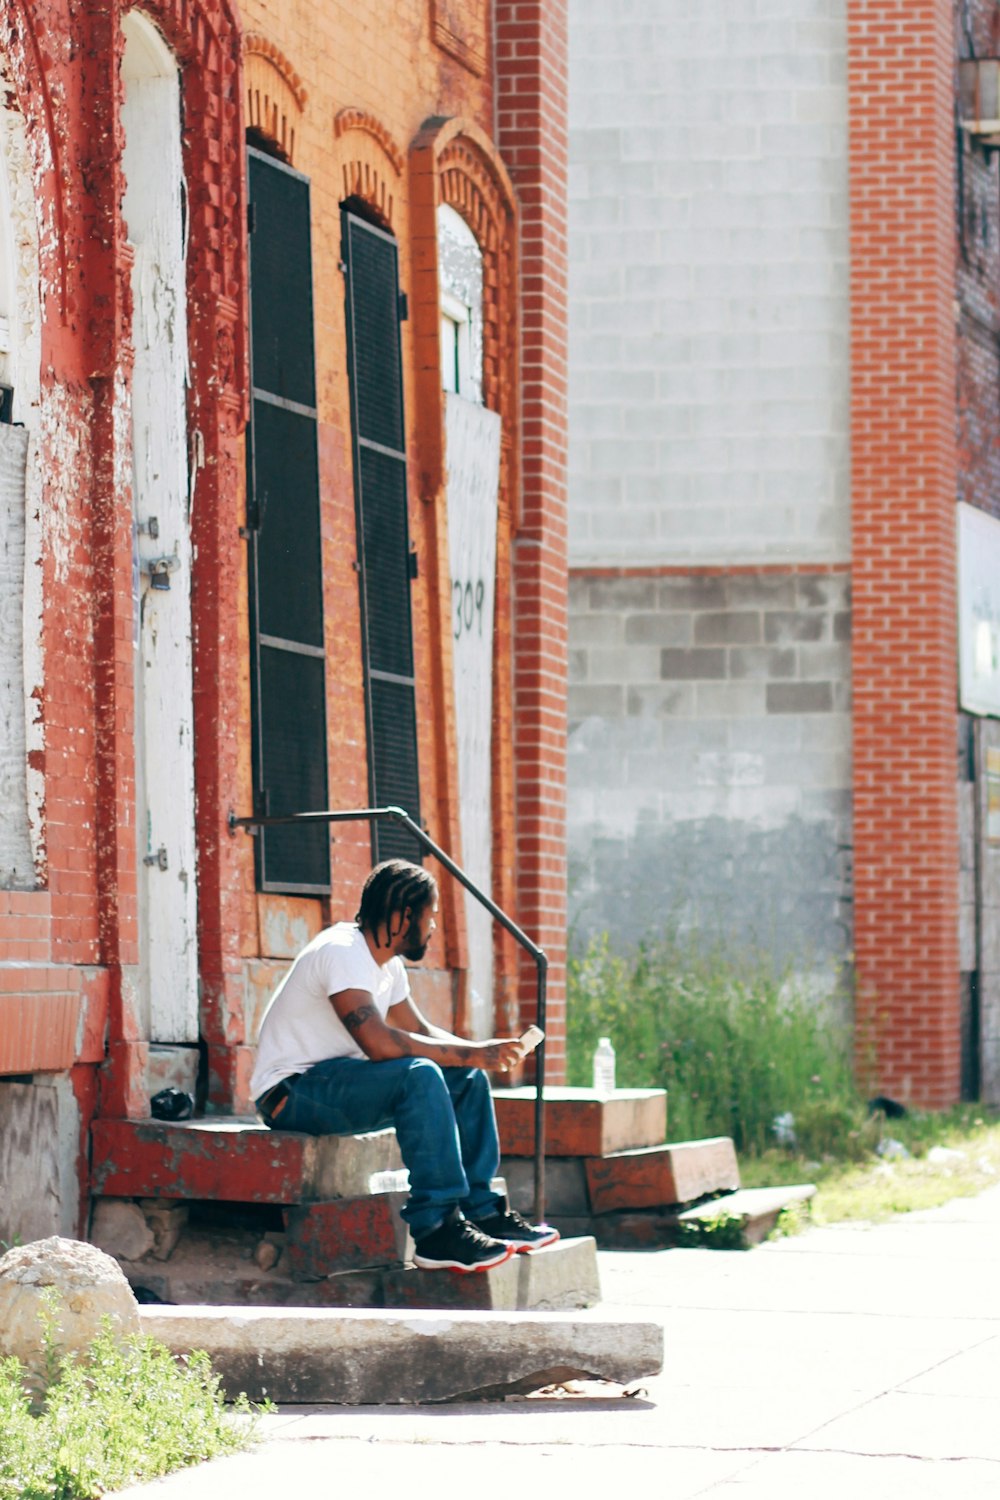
(397, 815)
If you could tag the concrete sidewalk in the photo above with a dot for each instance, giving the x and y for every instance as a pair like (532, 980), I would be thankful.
(852, 1361)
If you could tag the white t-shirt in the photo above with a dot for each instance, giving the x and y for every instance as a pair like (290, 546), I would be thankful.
(300, 1026)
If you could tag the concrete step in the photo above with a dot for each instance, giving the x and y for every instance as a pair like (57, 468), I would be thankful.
(406, 1357)
(225, 1267)
(579, 1122)
(236, 1160)
(647, 1177)
(678, 1173)
(560, 1276)
(754, 1210)
(730, 1221)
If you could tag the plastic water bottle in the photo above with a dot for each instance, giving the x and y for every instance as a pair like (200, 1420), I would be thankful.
(604, 1068)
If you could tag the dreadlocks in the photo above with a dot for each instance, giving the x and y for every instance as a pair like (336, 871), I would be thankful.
(391, 888)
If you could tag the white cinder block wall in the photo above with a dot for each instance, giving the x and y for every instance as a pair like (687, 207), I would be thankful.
(709, 501)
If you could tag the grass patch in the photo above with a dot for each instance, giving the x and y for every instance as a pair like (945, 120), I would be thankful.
(736, 1048)
(733, 1045)
(127, 1414)
(950, 1155)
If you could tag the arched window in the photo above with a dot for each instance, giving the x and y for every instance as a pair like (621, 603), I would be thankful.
(460, 262)
(473, 458)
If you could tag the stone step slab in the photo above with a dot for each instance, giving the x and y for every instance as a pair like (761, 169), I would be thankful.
(579, 1122)
(557, 1277)
(671, 1174)
(345, 1234)
(648, 1177)
(756, 1210)
(237, 1160)
(736, 1220)
(356, 1358)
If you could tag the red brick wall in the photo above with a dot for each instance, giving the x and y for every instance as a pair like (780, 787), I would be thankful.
(902, 185)
(65, 76)
(351, 95)
(531, 132)
(978, 284)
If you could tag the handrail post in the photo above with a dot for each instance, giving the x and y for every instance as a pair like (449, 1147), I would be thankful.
(540, 1013)
(399, 815)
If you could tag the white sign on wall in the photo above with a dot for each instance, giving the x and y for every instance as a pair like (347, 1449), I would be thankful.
(978, 612)
(473, 435)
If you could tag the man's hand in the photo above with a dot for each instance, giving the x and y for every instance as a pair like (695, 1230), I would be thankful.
(502, 1054)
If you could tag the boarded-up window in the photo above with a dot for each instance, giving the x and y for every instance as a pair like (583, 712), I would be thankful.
(286, 585)
(376, 379)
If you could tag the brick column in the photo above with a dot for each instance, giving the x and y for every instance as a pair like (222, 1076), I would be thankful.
(109, 262)
(531, 133)
(900, 58)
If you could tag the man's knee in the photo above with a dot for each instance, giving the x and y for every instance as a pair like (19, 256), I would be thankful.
(423, 1073)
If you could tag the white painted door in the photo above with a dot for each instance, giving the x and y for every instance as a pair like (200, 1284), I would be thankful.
(17, 870)
(473, 438)
(164, 730)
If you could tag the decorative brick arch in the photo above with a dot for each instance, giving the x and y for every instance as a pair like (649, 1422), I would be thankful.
(275, 94)
(30, 48)
(372, 163)
(206, 39)
(453, 161)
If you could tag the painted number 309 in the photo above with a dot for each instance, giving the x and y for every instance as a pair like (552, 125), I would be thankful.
(467, 602)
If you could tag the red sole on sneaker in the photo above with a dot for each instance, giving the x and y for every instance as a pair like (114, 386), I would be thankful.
(446, 1265)
(520, 1248)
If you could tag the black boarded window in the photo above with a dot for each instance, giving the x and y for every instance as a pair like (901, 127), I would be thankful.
(283, 524)
(376, 379)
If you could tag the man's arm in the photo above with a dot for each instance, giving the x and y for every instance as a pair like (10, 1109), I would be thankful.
(383, 1039)
(405, 1015)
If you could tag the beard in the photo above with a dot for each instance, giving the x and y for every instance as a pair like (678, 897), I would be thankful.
(414, 949)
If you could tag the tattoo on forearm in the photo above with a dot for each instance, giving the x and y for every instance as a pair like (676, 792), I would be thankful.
(357, 1018)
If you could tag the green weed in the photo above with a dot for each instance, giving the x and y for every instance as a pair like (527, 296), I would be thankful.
(127, 1413)
(733, 1045)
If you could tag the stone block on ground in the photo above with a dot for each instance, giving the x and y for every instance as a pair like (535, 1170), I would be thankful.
(579, 1122)
(88, 1286)
(346, 1234)
(119, 1228)
(659, 1175)
(351, 1357)
(167, 1220)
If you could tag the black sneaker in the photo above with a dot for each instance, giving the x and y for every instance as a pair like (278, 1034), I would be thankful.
(458, 1245)
(507, 1224)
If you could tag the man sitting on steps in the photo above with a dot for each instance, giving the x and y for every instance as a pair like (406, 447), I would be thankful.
(343, 1048)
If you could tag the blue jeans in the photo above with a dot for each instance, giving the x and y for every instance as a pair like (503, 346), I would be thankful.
(444, 1119)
